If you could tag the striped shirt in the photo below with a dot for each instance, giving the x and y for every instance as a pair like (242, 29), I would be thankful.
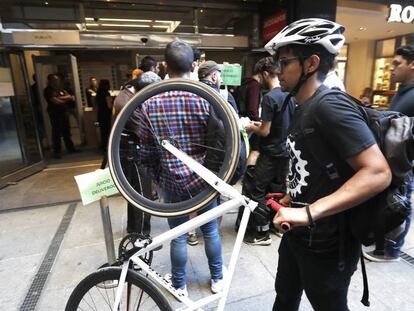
(182, 118)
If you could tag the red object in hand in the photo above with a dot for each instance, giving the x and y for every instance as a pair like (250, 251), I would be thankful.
(276, 206)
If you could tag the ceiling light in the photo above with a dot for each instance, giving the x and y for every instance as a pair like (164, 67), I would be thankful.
(126, 25)
(158, 21)
(160, 26)
(125, 20)
(201, 11)
(46, 3)
(362, 28)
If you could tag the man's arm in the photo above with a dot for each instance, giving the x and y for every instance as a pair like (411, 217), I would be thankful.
(372, 176)
(259, 128)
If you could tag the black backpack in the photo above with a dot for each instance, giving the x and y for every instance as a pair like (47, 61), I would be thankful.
(383, 216)
(240, 97)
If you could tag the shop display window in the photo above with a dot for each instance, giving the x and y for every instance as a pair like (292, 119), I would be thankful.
(383, 88)
(341, 62)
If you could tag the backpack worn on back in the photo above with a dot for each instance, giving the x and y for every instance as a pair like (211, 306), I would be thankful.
(383, 216)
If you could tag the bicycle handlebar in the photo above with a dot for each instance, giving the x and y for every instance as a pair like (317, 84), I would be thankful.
(276, 206)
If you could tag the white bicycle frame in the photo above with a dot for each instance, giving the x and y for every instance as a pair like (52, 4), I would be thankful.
(236, 200)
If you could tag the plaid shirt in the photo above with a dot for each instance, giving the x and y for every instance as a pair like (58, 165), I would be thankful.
(182, 118)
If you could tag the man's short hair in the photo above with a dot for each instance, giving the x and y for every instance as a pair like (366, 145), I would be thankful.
(179, 57)
(267, 64)
(327, 60)
(407, 52)
(147, 62)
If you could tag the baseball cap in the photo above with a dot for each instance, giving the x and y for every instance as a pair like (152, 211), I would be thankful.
(207, 68)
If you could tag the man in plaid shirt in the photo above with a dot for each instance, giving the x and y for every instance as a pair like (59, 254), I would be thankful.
(182, 117)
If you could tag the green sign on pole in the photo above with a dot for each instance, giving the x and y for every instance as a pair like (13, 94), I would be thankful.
(92, 186)
(231, 74)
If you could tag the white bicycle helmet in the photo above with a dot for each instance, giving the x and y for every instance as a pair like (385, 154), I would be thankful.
(309, 31)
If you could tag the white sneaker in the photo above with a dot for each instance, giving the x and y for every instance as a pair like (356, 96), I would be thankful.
(217, 286)
(180, 291)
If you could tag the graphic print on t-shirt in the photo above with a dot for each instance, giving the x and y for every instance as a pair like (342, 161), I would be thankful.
(297, 170)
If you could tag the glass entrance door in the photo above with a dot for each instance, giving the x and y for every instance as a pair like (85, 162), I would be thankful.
(20, 150)
(11, 156)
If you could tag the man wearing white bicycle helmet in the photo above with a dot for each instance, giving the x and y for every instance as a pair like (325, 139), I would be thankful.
(319, 254)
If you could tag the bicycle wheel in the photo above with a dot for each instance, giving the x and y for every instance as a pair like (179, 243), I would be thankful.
(178, 135)
(98, 290)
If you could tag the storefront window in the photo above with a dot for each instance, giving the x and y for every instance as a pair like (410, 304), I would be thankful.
(11, 157)
(385, 47)
(341, 62)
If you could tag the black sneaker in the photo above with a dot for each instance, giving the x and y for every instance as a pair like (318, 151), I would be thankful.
(257, 239)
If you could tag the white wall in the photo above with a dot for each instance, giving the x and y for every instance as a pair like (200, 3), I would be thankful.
(360, 67)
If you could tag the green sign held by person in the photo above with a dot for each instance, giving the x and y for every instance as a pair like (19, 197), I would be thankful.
(231, 74)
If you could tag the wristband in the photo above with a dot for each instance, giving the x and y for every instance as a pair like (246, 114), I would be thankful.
(310, 219)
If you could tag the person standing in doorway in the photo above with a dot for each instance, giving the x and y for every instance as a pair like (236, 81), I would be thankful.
(56, 98)
(104, 103)
(402, 71)
(91, 92)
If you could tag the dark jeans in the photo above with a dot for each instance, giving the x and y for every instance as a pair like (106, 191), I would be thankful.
(59, 121)
(268, 176)
(105, 129)
(137, 220)
(317, 273)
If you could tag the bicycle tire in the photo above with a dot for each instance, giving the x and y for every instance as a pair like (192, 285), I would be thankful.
(232, 148)
(82, 296)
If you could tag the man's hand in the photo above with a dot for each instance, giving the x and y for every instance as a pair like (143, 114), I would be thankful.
(293, 216)
(253, 126)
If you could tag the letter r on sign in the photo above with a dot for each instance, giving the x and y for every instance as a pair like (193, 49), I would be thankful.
(395, 13)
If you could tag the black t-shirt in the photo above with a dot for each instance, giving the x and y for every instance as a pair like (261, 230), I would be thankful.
(342, 133)
(274, 144)
(49, 93)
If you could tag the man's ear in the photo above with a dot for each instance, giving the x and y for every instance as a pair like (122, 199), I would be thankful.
(166, 67)
(193, 66)
(312, 63)
(411, 65)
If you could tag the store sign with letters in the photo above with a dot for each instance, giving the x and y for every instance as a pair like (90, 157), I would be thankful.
(46, 37)
(92, 186)
(401, 14)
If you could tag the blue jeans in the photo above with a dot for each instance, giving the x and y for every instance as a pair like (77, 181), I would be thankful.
(394, 249)
(178, 249)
